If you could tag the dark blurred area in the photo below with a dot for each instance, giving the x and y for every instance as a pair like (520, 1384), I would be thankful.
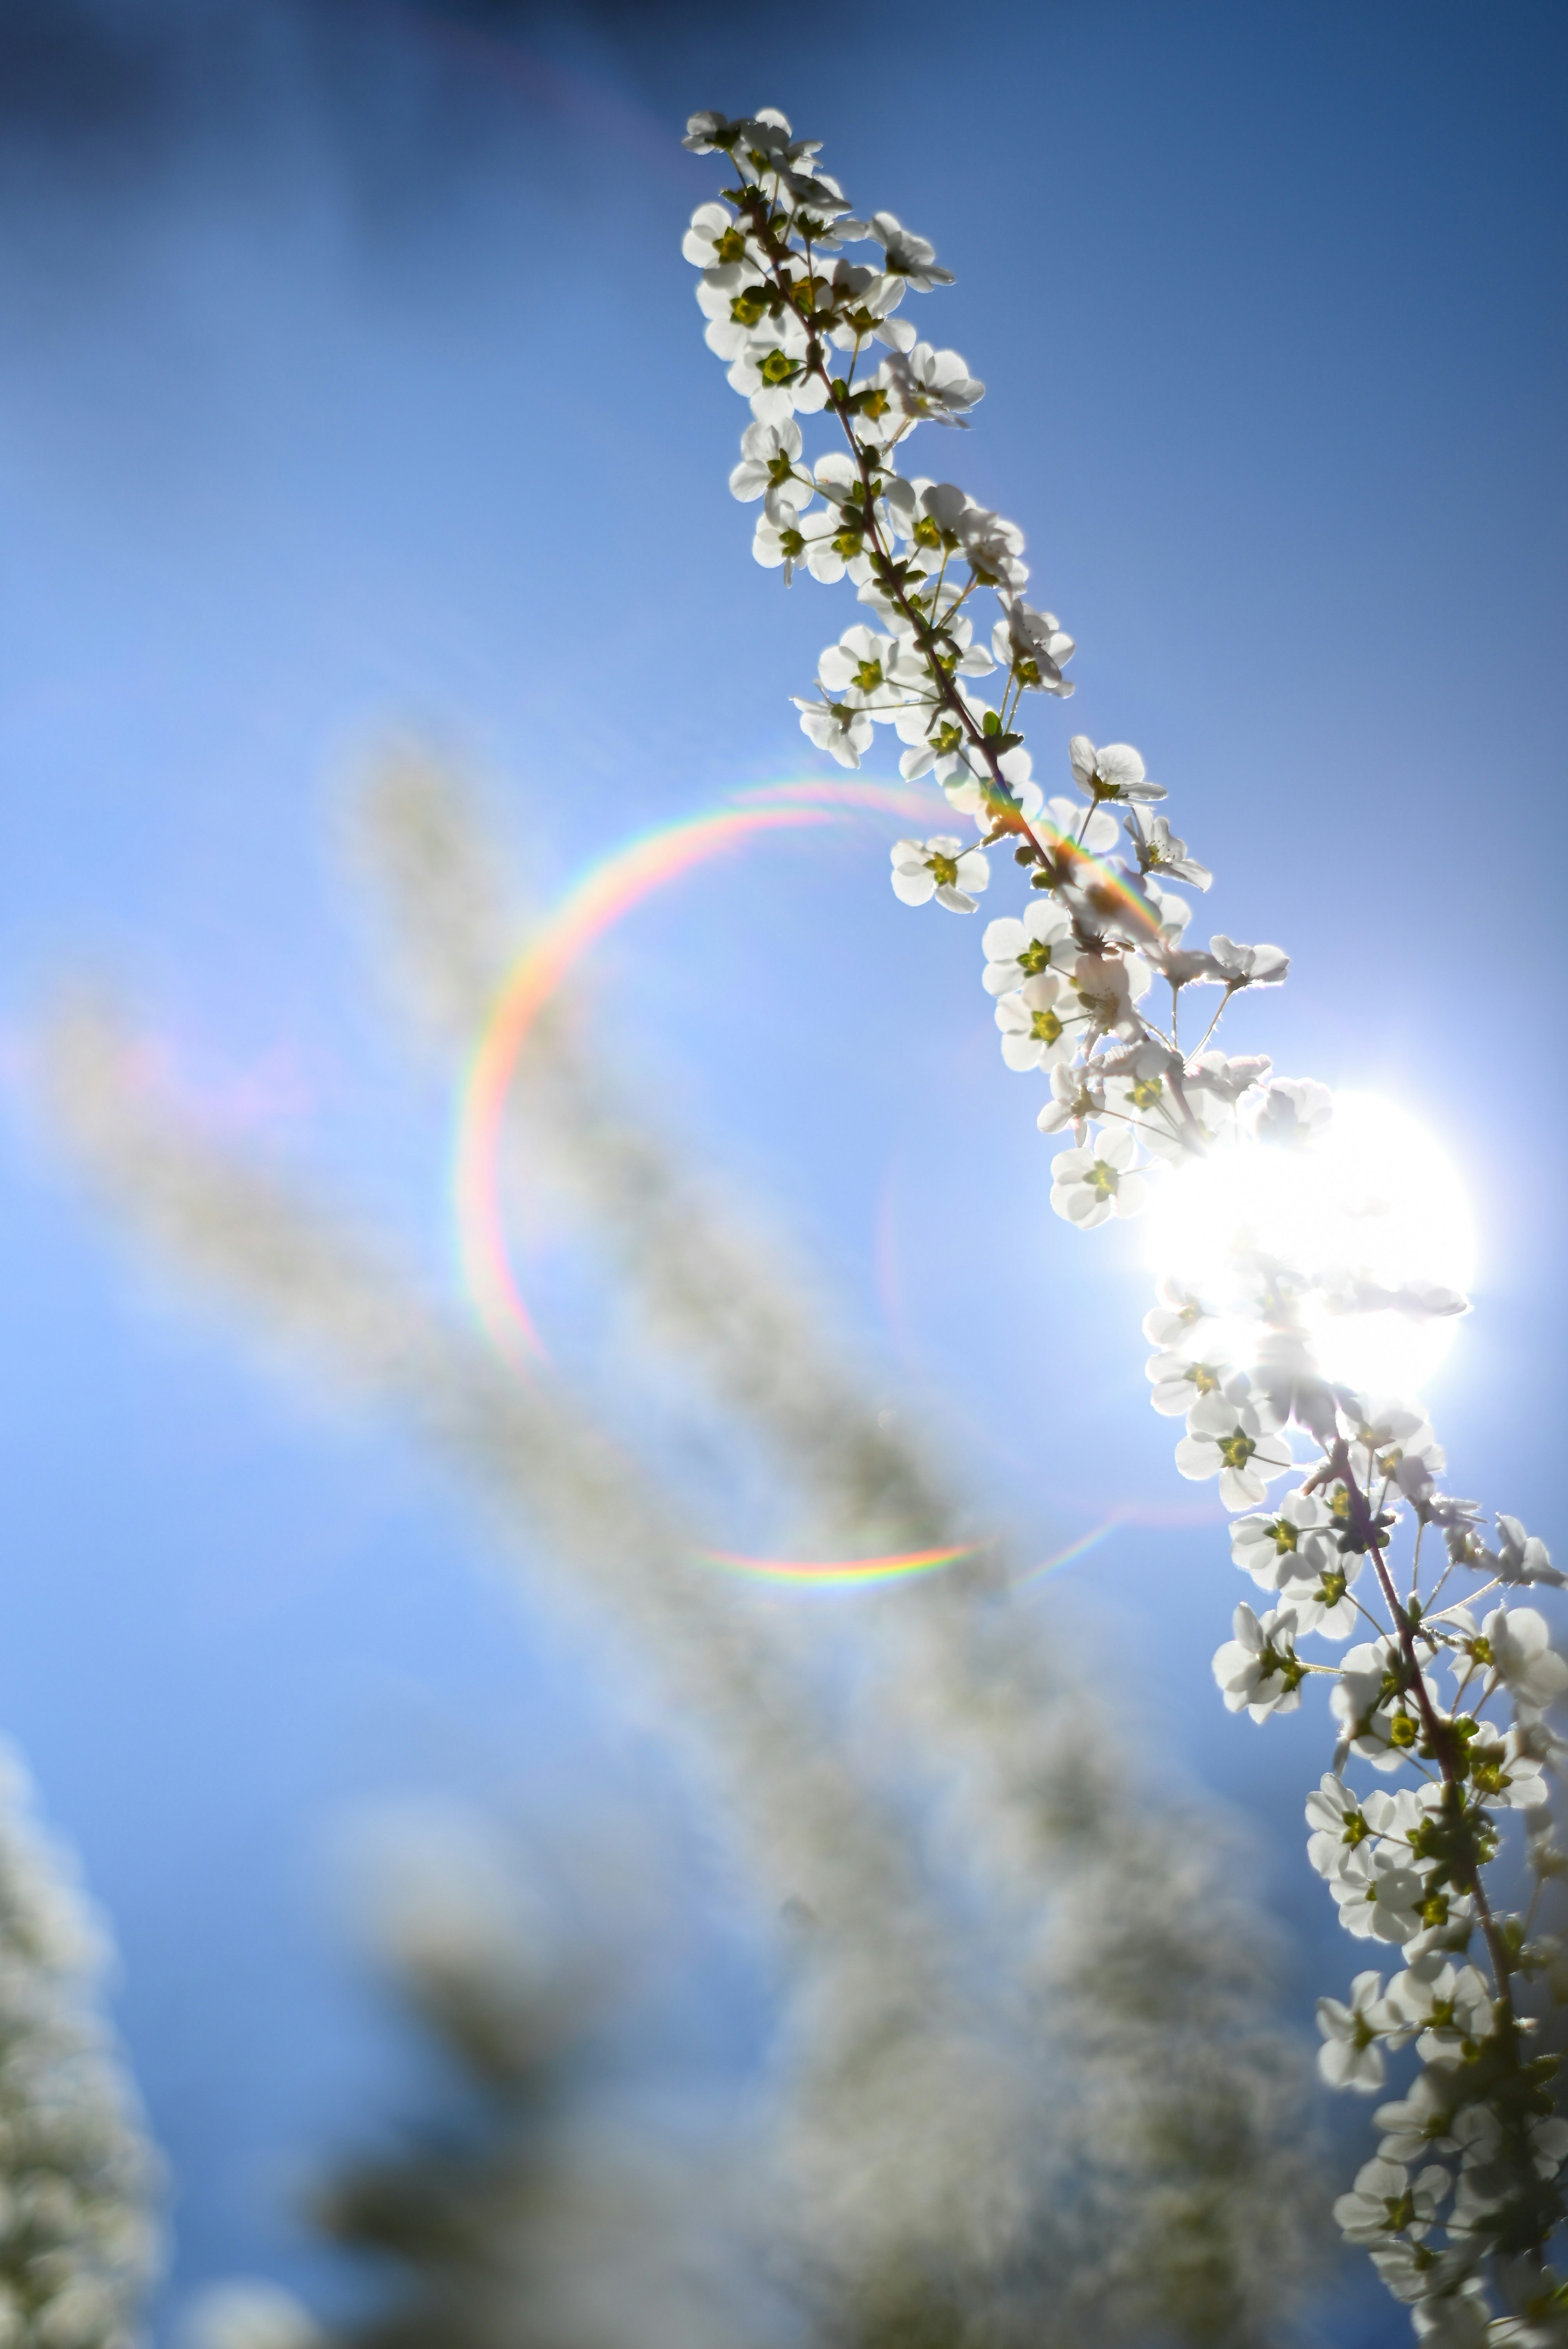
(118, 91)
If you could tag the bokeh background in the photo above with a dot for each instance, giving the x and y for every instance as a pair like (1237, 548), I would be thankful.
(350, 382)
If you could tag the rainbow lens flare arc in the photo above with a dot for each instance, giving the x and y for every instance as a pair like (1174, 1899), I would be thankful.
(595, 903)
(601, 898)
(839, 1574)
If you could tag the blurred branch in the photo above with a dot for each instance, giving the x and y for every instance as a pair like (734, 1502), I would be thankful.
(78, 2179)
(1052, 2107)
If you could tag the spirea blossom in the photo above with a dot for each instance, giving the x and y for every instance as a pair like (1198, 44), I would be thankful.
(78, 2178)
(1095, 974)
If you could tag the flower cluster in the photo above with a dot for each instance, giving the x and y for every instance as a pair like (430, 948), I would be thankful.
(79, 2240)
(1460, 2206)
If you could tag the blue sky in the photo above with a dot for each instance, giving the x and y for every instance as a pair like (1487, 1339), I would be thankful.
(354, 381)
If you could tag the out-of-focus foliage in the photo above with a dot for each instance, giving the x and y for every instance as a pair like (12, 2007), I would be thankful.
(78, 2243)
(520, 2214)
(1026, 2085)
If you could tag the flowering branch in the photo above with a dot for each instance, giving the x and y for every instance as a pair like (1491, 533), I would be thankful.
(1245, 1354)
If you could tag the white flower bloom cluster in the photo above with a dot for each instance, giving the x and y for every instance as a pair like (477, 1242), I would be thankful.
(78, 2242)
(1461, 2207)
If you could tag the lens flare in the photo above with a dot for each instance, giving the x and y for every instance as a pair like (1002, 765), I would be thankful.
(1376, 1200)
(1075, 1551)
(602, 896)
(839, 1574)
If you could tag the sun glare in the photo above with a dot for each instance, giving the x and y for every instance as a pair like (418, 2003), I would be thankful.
(1376, 1198)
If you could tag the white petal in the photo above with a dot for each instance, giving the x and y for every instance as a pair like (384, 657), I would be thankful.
(1197, 1457)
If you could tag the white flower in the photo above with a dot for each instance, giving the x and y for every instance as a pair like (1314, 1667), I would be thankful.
(740, 316)
(1367, 1701)
(926, 513)
(1461, 2321)
(1453, 1922)
(770, 368)
(1448, 2305)
(1382, 1427)
(1092, 829)
(1178, 1318)
(1033, 645)
(1249, 965)
(1521, 1556)
(1321, 1596)
(993, 547)
(838, 476)
(1107, 985)
(1019, 950)
(1523, 1657)
(1077, 1095)
(716, 241)
(768, 456)
(1109, 898)
(1480, 2191)
(1422, 2121)
(1158, 850)
(1139, 1086)
(768, 128)
(1224, 1080)
(1180, 1381)
(1273, 1549)
(908, 256)
(1548, 2146)
(841, 730)
(858, 301)
(942, 520)
(1350, 2056)
(1507, 1774)
(939, 746)
(1417, 1468)
(1112, 772)
(1224, 1439)
(1007, 794)
(1069, 835)
(778, 539)
(1384, 1901)
(941, 867)
(1173, 912)
(1387, 2201)
(838, 545)
(1179, 964)
(920, 386)
(1286, 1377)
(740, 308)
(952, 639)
(818, 541)
(709, 130)
(1448, 2004)
(1091, 1183)
(1295, 1110)
(868, 669)
(1258, 1667)
(1038, 1023)
(1341, 1838)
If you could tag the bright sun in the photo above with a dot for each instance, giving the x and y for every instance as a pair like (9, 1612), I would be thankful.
(1376, 1197)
